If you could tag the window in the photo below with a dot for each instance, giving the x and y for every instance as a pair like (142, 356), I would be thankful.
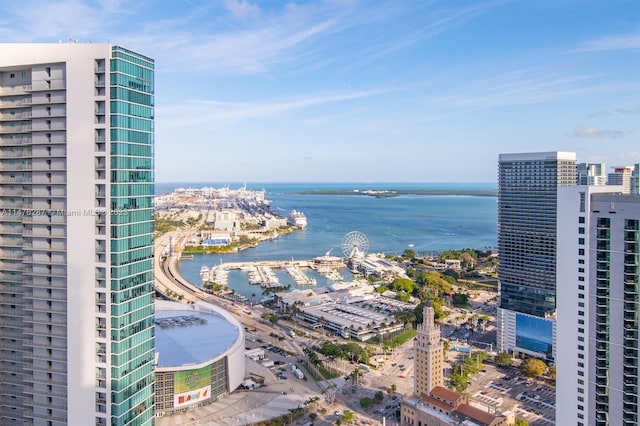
(581, 230)
(580, 278)
(580, 313)
(580, 339)
(581, 219)
(580, 287)
(581, 241)
(580, 304)
(580, 296)
(581, 261)
(580, 252)
(580, 347)
(581, 330)
(580, 382)
(12, 75)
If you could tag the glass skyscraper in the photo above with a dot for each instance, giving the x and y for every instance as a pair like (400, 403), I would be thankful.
(76, 235)
(527, 209)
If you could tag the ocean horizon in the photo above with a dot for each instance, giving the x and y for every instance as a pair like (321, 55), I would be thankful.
(424, 223)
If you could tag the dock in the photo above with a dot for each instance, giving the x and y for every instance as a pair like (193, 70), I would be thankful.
(261, 272)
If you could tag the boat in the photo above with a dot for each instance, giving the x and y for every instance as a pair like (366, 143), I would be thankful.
(204, 274)
(297, 218)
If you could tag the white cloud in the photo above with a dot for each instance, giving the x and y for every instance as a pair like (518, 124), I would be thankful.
(195, 112)
(242, 9)
(616, 42)
(616, 112)
(594, 132)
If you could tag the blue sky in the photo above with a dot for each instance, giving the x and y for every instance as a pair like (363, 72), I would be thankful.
(368, 91)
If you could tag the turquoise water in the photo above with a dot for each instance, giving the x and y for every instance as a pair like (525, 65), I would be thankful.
(430, 223)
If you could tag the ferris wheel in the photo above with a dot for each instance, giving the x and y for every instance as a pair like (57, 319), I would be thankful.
(355, 244)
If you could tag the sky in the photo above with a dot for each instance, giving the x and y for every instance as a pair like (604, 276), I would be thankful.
(367, 91)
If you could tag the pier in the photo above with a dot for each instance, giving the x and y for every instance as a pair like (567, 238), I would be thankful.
(261, 272)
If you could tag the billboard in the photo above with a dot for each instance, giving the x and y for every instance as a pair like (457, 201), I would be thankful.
(534, 334)
(191, 386)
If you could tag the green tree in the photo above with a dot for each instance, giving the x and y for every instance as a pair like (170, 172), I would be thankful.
(409, 254)
(459, 382)
(347, 416)
(366, 402)
(435, 283)
(533, 367)
(503, 359)
(520, 422)
(460, 300)
(403, 296)
(402, 284)
(378, 397)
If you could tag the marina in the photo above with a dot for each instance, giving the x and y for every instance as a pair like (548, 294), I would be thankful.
(262, 272)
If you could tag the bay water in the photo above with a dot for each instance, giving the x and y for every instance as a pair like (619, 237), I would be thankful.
(424, 223)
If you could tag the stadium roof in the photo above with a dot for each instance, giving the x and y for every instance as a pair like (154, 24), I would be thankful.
(188, 335)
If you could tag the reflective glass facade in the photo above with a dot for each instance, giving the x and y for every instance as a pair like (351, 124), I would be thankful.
(131, 238)
(527, 197)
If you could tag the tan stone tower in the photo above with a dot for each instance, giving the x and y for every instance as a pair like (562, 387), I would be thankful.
(428, 354)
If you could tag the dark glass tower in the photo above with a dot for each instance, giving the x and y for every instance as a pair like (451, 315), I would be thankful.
(527, 209)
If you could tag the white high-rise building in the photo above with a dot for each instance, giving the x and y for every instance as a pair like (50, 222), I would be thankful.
(76, 235)
(598, 315)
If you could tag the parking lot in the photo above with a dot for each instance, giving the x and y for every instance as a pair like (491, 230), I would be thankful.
(506, 389)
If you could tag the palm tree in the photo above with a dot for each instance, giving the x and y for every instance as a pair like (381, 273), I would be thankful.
(355, 375)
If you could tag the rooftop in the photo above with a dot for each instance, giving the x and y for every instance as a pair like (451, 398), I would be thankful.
(191, 334)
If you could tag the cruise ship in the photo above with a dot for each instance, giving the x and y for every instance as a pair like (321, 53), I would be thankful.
(297, 218)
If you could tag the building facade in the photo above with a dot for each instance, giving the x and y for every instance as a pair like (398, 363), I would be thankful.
(598, 275)
(199, 357)
(592, 174)
(527, 198)
(428, 354)
(432, 404)
(635, 179)
(621, 176)
(76, 235)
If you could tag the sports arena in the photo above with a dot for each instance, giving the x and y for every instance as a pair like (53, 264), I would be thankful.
(199, 355)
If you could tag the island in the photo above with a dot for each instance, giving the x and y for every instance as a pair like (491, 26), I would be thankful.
(386, 193)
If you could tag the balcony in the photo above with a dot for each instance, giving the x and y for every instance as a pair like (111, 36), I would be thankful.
(17, 103)
(22, 116)
(15, 90)
(15, 141)
(47, 85)
(15, 129)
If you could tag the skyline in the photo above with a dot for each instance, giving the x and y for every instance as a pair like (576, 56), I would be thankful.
(357, 91)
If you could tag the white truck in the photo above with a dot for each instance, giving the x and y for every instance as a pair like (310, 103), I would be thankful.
(298, 373)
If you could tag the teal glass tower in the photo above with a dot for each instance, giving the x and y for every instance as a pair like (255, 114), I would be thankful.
(76, 235)
(131, 236)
